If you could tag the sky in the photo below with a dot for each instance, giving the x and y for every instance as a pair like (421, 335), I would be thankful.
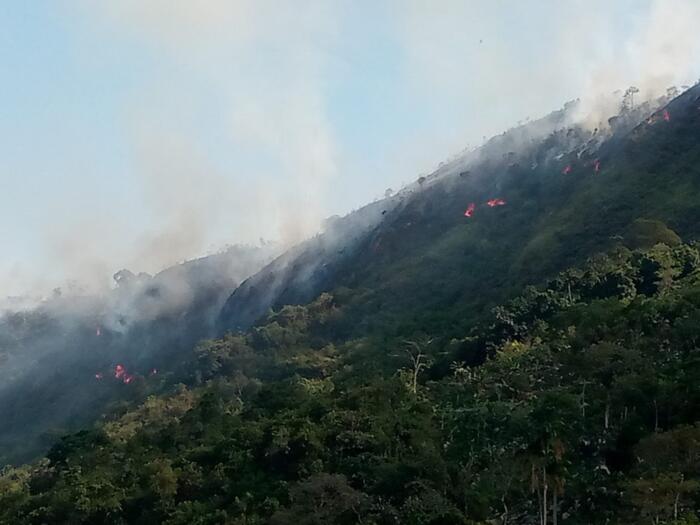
(140, 133)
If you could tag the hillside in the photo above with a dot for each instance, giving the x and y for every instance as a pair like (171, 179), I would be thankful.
(399, 367)
(54, 358)
(569, 192)
(586, 410)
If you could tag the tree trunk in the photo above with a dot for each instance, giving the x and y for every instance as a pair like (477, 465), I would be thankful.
(656, 416)
(607, 415)
(535, 487)
(544, 495)
(675, 507)
(555, 518)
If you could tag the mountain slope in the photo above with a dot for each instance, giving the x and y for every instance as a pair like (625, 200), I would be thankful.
(408, 265)
(569, 193)
(585, 411)
(55, 360)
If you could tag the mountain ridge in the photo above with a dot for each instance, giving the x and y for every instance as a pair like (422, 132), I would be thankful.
(489, 172)
(411, 263)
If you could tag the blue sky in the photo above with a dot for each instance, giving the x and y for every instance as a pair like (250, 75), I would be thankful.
(140, 133)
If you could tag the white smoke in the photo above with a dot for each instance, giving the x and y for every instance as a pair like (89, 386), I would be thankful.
(265, 64)
(663, 51)
(467, 70)
(268, 61)
(487, 65)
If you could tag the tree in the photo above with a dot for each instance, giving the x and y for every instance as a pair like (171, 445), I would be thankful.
(645, 234)
(320, 500)
(419, 360)
(669, 466)
(628, 98)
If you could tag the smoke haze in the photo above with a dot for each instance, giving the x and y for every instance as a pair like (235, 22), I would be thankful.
(228, 121)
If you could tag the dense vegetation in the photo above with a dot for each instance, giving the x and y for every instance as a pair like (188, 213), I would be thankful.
(427, 267)
(576, 402)
(406, 372)
(50, 355)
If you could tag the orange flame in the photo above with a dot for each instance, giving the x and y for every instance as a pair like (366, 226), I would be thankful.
(470, 210)
(667, 115)
(121, 373)
(495, 202)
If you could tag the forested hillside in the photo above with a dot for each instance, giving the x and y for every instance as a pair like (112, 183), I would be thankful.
(546, 196)
(577, 399)
(53, 358)
(512, 339)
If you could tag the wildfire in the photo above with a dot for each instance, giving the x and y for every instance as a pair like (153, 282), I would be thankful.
(667, 115)
(495, 202)
(121, 373)
(566, 170)
(596, 166)
(470, 210)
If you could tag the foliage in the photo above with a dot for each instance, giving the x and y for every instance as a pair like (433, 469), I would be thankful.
(583, 406)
